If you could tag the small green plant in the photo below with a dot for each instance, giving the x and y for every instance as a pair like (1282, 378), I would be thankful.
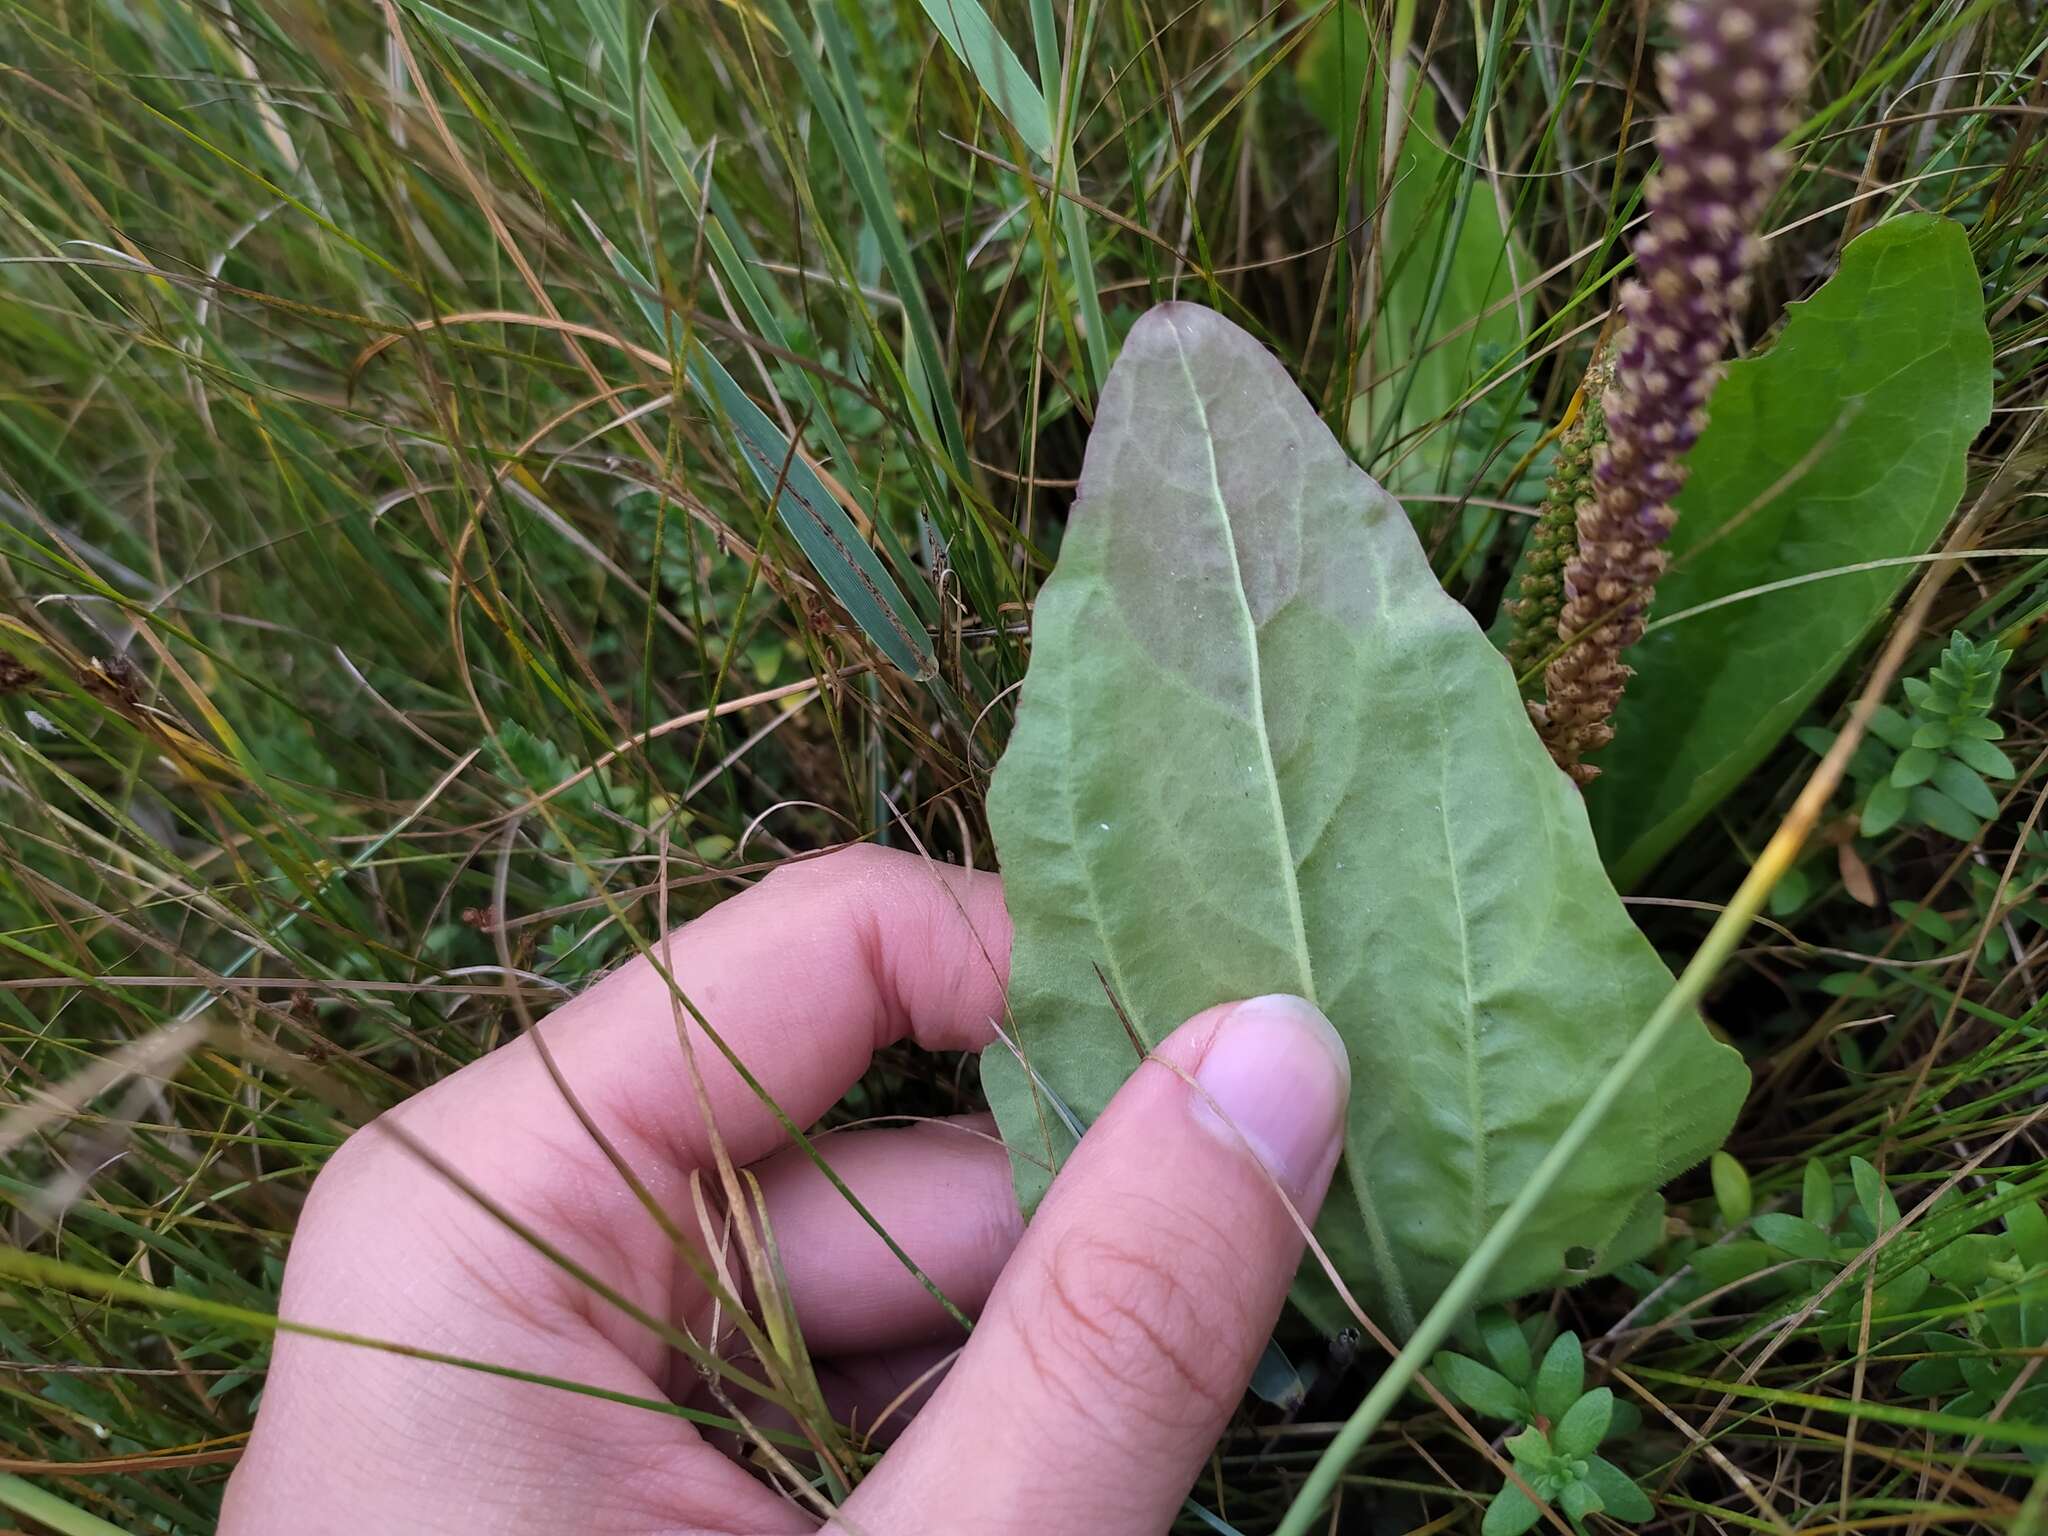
(1929, 766)
(1556, 1452)
(1992, 1364)
(1966, 1307)
(1789, 1255)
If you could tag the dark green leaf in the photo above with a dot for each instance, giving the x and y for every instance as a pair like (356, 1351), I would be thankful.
(1913, 766)
(1578, 1500)
(1881, 812)
(2034, 1321)
(1584, 1425)
(1983, 1373)
(1510, 1514)
(1260, 750)
(1866, 402)
(1966, 1261)
(1929, 735)
(1815, 740)
(1926, 920)
(1481, 1388)
(1817, 1194)
(1903, 1293)
(1930, 807)
(2027, 1226)
(1731, 1189)
(1963, 785)
(1791, 892)
(1891, 727)
(811, 513)
(1560, 1378)
(1618, 1491)
(1982, 756)
(1726, 1263)
(1794, 1234)
(1506, 1343)
(1879, 1208)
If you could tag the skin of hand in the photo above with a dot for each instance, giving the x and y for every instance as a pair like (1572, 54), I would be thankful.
(1115, 1334)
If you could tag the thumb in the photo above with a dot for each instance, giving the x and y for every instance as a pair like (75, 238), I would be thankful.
(1124, 1329)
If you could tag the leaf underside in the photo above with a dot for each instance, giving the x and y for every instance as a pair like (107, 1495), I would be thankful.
(1260, 750)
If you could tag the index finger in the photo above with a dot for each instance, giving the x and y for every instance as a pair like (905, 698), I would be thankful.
(802, 979)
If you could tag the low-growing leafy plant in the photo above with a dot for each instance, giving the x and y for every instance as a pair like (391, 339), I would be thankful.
(1928, 765)
(1992, 1364)
(1538, 1382)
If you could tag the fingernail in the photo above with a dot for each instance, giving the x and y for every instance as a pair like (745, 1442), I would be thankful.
(1278, 1074)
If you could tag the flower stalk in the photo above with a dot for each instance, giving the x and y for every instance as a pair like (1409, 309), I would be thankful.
(1732, 88)
(1539, 599)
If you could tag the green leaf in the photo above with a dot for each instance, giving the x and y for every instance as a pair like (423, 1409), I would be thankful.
(1931, 808)
(1510, 1514)
(1791, 891)
(1478, 320)
(1794, 1234)
(1843, 443)
(1889, 727)
(1532, 1453)
(1480, 1388)
(1877, 1202)
(1930, 735)
(1506, 1342)
(1560, 1378)
(1259, 750)
(1962, 785)
(980, 47)
(1915, 765)
(1982, 756)
(1726, 1263)
(1967, 1261)
(1618, 1491)
(2034, 1322)
(1578, 1500)
(1818, 741)
(1941, 1372)
(1881, 812)
(1925, 920)
(2027, 1226)
(1817, 1194)
(1731, 1189)
(1584, 1426)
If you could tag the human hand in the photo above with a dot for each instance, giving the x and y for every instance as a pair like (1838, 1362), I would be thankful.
(1116, 1334)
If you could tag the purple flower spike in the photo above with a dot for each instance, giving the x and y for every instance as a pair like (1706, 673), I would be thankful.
(1732, 89)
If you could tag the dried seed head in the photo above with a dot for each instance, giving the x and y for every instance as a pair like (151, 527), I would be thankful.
(1731, 89)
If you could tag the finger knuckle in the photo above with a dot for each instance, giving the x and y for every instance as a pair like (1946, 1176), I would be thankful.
(1140, 1326)
(855, 863)
(353, 1181)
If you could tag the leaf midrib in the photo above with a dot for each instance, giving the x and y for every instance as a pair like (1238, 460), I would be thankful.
(1391, 1280)
(1289, 888)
